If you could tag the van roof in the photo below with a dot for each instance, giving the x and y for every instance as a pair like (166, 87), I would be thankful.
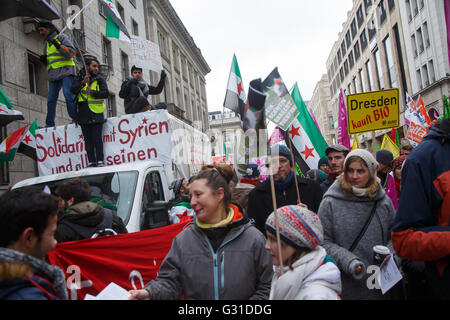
(135, 166)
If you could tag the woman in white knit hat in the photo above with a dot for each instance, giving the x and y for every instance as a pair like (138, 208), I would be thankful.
(308, 273)
(357, 215)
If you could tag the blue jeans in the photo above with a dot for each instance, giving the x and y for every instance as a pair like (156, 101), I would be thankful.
(52, 98)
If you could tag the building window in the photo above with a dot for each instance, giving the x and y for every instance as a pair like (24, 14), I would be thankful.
(357, 50)
(419, 79)
(415, 8)
(420, 43)
(431, 69)
(426, 35)
(339, 57)
(351, 60)
(343, 49)
(381, 12)
(121, 11)
(426, 79)
(355, 85)
(106, 52)
(135, 27)
(390, 62)
(37, 76)
(367, 5)
(391, 5)
(101, 10)
(162, 43)
(369, 73)
(360, 16)
(331, 122)
(379, 69)
(362, 80)
(111, 106)
(408, 10)
(124, 65)
(348, 39)
(414, 45)
(363, 39)
(372, 28)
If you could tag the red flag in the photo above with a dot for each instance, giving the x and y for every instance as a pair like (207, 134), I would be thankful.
(129, 260)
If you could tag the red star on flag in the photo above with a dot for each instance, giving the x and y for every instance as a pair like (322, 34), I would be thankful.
(240, 89)
(294, 132)
(27, 139)
(80, 136)
(58, 140)
(308, 152)
(122, 151)
(144, 121)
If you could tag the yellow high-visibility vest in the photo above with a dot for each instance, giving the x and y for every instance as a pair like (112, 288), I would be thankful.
(96, 105)
(55, 59)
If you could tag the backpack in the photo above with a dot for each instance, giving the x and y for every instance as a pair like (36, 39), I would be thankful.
(102, 229)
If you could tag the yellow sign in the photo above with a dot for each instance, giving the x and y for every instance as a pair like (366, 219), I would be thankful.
(372, 111)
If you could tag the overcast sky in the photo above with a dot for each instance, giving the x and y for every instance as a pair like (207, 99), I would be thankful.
(294, 35)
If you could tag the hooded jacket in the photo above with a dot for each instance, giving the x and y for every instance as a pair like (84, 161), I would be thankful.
(343, 216)
(313, 278)
(260, 204)
(68, 50)
(133, 99)
(228, 263)
(24, 277)
(422, 224)
(87, 214)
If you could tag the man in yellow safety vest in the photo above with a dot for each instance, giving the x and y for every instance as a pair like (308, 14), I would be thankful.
(59, 60)
(91, 89)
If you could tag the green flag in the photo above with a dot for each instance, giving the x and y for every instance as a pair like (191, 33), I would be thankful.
(115, 27)
(7, 113)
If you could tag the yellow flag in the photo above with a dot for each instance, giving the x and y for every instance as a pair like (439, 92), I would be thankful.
(355, 143)
(389, 145)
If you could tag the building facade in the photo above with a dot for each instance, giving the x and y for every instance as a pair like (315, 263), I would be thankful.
(23, 77)
(321, 109)
(387, 44)
(223, 128)
(370, 55)
(424, 26)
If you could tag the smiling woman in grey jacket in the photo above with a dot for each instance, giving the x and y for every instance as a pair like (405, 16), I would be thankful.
(220, 256)
(345, 209)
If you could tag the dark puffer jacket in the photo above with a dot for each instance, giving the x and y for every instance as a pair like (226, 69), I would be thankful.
(87, 214)
(260, 204)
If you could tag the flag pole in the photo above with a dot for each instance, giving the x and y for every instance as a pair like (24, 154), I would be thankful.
(295, 173)
(277, 226)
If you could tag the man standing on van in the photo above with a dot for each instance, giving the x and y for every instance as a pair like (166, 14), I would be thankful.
(135, 91)
(59, 60)
(91, 89)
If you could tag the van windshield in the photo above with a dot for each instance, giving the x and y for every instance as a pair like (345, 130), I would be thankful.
(113, 190)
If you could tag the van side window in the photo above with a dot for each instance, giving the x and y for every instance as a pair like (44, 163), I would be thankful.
(153, 189)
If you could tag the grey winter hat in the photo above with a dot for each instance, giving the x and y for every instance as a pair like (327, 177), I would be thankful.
(338, 148)
(368, 159)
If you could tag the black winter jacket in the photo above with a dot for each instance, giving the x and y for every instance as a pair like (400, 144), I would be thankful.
(87, 214)
(134, 102)
(260, 204)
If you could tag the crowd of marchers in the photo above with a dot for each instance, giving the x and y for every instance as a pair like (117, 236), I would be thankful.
(330, 225)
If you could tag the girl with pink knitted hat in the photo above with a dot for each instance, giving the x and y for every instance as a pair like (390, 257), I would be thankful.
(308, 273)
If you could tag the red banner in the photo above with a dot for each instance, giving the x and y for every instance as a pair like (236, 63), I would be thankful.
(129, 260)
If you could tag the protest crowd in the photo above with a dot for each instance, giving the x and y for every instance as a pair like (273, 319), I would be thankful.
(338, 231)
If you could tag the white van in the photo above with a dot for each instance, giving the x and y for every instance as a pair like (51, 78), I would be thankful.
(138, 192)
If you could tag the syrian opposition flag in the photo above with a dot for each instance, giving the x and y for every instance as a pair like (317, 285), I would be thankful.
(28, 145)
(235, 97)
(115, 27)
(7, 114)
(306, 138)
(9, 146)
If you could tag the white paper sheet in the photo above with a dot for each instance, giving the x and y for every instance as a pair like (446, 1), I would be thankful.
(111, 292)
(389, 274)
